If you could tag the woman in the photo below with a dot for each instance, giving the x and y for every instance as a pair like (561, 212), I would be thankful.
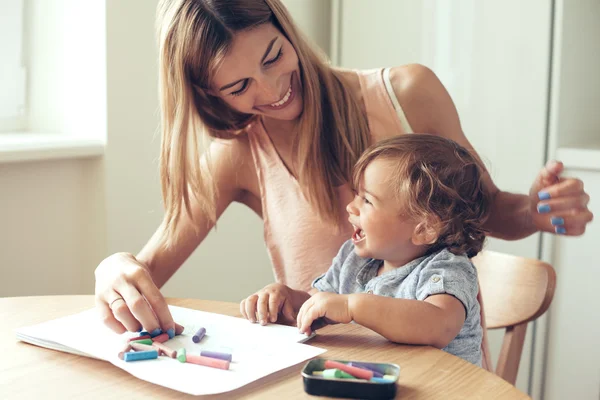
(290, 128)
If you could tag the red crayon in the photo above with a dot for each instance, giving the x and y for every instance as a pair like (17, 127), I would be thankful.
(354, 371)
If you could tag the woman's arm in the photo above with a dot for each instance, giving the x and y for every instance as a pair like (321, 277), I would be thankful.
(127, 287)
(430, 109)
(435, 321)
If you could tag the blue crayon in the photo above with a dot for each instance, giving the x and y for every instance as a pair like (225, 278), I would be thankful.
(381, 380)
(140, 355)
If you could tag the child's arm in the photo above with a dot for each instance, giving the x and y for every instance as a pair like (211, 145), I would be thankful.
(435, 321)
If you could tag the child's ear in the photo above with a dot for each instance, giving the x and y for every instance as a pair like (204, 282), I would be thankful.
(425, 232)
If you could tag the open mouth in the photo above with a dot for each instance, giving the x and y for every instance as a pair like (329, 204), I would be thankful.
(358, 235)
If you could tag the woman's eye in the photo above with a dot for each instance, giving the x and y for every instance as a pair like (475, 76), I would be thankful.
(277, 57)
(242, 89)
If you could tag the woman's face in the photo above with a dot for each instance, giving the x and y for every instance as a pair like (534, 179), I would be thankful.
(261, 75)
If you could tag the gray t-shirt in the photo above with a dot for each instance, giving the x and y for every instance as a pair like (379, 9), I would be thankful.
(436, 273)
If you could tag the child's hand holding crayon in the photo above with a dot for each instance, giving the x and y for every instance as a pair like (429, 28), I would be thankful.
(333, 308)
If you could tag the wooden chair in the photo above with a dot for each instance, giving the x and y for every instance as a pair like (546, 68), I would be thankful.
(515, 291)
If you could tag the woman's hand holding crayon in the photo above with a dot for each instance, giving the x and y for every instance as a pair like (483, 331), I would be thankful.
(128, 299)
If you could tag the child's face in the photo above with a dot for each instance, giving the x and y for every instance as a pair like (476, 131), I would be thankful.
(380, 231)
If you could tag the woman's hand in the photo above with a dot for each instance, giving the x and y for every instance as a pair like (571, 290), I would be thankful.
(128, 299)
(266, 304)
(334, 308)
(559, 205)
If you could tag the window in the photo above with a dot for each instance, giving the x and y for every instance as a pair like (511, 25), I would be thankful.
(12, 71)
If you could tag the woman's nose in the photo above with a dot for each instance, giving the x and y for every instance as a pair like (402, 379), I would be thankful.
(270, 89)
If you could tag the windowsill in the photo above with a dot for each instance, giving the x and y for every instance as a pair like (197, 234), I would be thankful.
(25, 146)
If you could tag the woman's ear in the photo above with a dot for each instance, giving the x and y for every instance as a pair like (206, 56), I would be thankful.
(425, 233)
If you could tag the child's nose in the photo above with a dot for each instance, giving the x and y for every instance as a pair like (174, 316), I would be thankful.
(351, 208)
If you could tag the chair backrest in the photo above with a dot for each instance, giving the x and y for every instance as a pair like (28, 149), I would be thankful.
(515, 290)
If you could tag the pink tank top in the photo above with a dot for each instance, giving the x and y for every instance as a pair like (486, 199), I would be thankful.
(300, 245)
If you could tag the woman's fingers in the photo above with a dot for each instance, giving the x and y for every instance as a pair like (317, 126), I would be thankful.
(139, 308)
(563, 208)
(120, 307)
(564, 205)
(107, 316)
(565, 187)
(158, 312)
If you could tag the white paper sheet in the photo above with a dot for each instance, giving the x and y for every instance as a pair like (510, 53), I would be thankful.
(257, 350)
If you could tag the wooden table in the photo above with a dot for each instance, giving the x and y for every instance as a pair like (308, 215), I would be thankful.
(27, 371)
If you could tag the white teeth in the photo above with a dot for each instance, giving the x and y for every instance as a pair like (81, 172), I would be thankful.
(285, 98)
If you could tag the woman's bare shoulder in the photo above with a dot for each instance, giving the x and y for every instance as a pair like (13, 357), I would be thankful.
(351, 81)
(233, 160)
(424, 99)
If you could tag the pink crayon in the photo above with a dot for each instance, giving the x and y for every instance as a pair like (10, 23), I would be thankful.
(163, 349)
(354, 371)
(207, 361)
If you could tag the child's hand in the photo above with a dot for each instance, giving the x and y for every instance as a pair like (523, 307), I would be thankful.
(331, 306)
(266, 304)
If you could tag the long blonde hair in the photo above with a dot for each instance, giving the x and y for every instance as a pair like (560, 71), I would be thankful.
(194, 36)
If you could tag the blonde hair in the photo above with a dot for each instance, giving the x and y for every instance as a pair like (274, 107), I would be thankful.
(436, 178)
(194, 36)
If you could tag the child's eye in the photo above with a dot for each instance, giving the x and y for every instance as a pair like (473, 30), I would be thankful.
(366, 200)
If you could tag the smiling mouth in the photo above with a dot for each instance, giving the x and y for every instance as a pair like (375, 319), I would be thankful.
(284, 99)
(287, 98)
(358, 235)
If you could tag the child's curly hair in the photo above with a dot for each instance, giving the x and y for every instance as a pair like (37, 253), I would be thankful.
(439, 182)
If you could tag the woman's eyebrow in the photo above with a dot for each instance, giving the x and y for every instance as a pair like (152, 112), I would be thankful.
(269, 47)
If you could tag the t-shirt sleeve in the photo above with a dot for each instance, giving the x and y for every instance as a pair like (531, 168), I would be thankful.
(330, 281)
(449, 274)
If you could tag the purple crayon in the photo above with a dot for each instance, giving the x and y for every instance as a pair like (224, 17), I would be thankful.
(199, 335)
(216, 354)
(377, 371)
